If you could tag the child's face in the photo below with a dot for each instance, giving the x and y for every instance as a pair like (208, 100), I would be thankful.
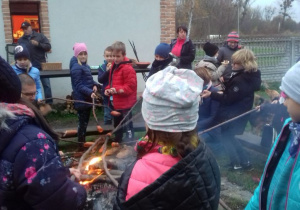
(159, 58)
(82, 56)
(108, 56)
(236, 65)
(118, 57)
(23, 62)
(293, 109)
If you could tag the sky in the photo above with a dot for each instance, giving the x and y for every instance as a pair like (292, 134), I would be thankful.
(294, 11)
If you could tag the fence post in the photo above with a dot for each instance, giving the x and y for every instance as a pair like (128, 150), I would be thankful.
(293, 43)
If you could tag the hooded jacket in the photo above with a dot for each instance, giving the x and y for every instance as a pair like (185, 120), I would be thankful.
(123, 76)
(212, 65)
(35, 74)
(32, 175)
(237, 98)
(192, 183)
(82, 83)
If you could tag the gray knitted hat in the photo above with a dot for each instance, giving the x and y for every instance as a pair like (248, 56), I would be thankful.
(290, 83)
(171, 100)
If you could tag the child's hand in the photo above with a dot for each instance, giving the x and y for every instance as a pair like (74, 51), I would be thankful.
(121, 91)
(107, 92)
(221, 79)
(205, 94)
(93, 95)
(95, 88)
(113, 91)
(108, 66)
(75, 172)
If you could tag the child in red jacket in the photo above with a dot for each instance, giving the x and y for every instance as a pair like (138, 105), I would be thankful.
(122, 89)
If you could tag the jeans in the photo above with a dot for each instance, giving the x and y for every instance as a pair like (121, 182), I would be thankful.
(83, 117)
(107, 115)
(128, 128)
(234, 148)
(47, 89)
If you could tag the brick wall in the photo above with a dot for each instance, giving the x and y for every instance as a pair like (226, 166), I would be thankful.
(44, 19)
(167, 20)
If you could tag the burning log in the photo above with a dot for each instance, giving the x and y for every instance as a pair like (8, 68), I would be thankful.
(89, 179)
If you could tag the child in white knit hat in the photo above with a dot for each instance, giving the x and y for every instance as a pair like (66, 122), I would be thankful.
(174, 170)
(279, 185)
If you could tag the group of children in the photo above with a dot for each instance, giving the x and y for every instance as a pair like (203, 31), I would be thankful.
(172, 160)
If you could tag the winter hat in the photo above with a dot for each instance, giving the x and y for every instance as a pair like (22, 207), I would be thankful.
(290, 84)
(210, 49)
(233, 36)
(10, 85)
(78, 48)
(171, 100)
(21, 52)
(163, 50)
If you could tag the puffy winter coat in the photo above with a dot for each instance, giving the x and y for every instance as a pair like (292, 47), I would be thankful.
(35, 74)
(192, 183)
(237, 98)
(32, 175)
(123, 76)
(187, 55)
(82, 83)
(215, 71)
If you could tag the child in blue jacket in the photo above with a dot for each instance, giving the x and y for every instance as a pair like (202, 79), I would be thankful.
(103, 74)
(279, 184)
(84, 88)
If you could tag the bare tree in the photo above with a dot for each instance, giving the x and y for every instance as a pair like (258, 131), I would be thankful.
(285, 5)
(269, 12)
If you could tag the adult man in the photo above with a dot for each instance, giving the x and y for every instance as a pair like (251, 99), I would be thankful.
(28, 87)
(29, 92)
(225, 53)
(38, 45)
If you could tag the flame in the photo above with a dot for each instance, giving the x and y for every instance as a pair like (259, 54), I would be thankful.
(92, 162)
(99, 172)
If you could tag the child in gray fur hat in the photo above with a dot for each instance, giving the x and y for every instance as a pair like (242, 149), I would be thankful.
(279, 185)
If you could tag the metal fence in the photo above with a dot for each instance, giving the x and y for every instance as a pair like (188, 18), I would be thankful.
(275, 55)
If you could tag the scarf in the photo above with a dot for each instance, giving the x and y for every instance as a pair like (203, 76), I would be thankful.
(18, 109)
(295, 131)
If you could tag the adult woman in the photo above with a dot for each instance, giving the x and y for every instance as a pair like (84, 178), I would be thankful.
(183, 48)
(32, 175)
(236, 99)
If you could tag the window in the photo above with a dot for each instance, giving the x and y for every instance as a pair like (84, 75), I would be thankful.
(24, 11)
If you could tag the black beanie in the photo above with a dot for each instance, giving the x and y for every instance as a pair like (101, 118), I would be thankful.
(21, 52)
(210, 49)
(10, 85)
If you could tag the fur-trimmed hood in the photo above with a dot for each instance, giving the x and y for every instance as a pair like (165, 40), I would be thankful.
(4, 115)
(9, 126)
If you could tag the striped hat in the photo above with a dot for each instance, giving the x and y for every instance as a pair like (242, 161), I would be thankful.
(233, 36)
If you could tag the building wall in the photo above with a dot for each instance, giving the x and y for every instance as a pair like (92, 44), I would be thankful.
(99, 23)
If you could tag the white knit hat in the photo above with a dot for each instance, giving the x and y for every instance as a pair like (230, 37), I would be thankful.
(290, 83)
(171, 100)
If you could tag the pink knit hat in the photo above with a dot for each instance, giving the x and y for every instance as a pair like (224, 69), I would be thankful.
(78, 48)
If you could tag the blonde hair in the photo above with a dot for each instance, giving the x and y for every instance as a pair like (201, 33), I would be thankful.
(119, 46)
(246, 58)
(203, 73)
